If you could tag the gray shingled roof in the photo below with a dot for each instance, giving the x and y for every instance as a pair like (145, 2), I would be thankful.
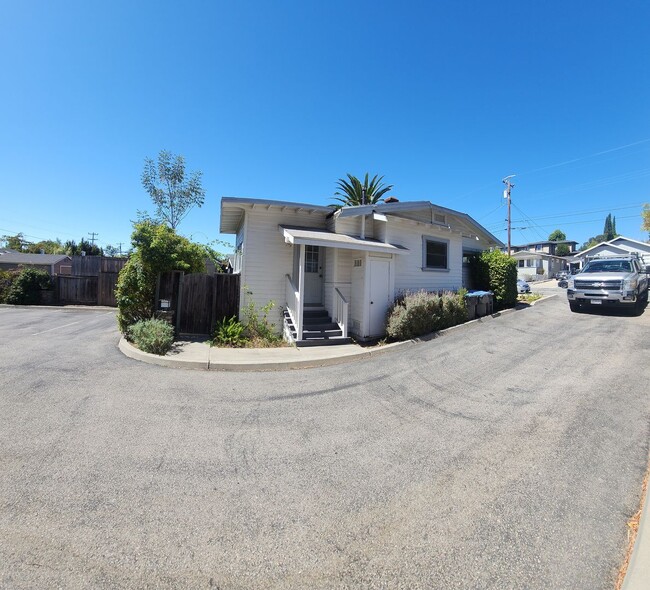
(32, 258)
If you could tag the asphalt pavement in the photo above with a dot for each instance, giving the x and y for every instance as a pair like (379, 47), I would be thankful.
(507, 454)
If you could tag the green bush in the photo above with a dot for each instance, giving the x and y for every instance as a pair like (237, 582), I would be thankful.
(135, 292)
(497, 272)
(7, 277)
(421, 312)
(229, 332)
(27, 286)
(158, 249)
(257, 327)
(152, 335)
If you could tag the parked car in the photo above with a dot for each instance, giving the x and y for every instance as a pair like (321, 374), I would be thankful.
(522, 286)
(564, 282)
(562, 275)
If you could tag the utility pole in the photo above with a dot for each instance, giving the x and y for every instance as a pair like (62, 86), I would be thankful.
(120, 247)
(506, 195)
(93, 238)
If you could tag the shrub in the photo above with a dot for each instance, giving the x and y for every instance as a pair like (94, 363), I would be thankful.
(7, 277)
(27, 286)
(152, 335)
(158, 249)
(497, 272)
(257, 327)
(229, 332)
(135, 293)
(419, 313)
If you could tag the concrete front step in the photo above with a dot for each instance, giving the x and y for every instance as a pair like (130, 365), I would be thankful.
(320, 326)
(323, 341)
(311, 334)
(318, 330)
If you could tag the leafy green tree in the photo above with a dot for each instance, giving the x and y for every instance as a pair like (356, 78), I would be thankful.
(350, 192)
(71, 248)
(562, 250)
(47, 247)
(645, 215)
(157, 249)
(557, 236)
(173, 194)
(15, 242)
(593, 241)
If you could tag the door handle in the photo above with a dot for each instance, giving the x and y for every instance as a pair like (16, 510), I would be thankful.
(371, 302)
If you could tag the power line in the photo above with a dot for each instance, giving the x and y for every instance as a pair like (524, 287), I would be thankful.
(565, 163)
(574, 214)
(554, 225)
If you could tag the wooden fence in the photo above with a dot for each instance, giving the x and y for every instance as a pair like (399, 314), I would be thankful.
(198, 301)
(92, 282)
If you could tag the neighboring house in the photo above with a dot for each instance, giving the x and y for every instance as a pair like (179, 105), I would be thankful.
(618, 246)
(7, 251)
(538, 266)
(543, 247)
(54, 264)
(352, 262)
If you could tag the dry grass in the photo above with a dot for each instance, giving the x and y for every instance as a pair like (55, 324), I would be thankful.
(632, 530)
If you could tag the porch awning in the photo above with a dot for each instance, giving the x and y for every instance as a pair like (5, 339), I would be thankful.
(321, 237)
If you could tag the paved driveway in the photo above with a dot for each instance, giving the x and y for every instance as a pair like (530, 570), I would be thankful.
(505, 454)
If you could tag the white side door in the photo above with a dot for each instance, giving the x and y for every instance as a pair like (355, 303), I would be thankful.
(379, 284)
(313, 275)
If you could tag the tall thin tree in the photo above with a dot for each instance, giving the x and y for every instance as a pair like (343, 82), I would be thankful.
(173, 194)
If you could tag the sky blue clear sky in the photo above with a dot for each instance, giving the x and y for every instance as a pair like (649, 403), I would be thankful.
(279, 99)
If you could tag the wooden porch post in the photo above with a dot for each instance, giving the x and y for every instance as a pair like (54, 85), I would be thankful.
(301, 289)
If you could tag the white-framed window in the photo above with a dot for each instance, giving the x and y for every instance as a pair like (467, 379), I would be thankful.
(520, 264)
(435, 254)
(311, 258)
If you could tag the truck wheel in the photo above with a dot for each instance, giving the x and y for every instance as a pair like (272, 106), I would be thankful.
(574, 306)
(640, 304)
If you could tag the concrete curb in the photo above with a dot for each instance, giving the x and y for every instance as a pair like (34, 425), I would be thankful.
(307, 363)
(206, 357)
(163, 361)
(638, 569)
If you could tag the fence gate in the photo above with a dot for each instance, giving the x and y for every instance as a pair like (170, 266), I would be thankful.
(107, 281)
(199, 300)
(196, 304)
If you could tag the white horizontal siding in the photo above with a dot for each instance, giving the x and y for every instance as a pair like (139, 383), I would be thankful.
(409, 275)
(267, 258)
(351, 226)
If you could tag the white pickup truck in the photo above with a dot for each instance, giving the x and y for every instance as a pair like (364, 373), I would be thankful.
(610, 280)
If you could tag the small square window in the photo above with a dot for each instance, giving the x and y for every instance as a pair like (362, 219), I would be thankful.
(435, 254)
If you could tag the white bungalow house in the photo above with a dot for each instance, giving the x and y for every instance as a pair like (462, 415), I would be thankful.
(618, 246)
(334, 273)
(538, 266)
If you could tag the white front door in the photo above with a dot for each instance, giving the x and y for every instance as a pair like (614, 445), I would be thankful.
(313, 275)
(379, 296)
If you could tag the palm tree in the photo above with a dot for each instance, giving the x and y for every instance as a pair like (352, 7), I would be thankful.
(350, 193)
